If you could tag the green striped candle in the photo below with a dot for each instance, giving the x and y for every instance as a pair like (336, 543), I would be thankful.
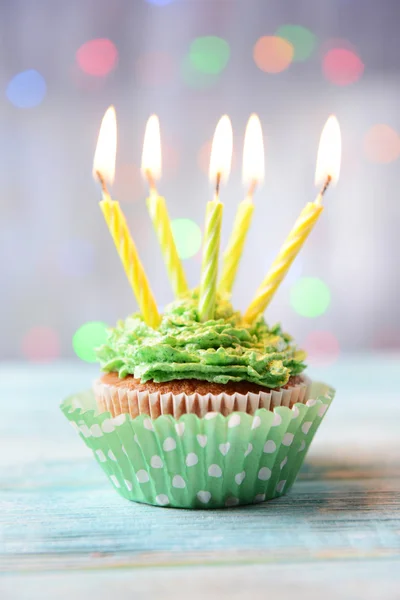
(209, 266)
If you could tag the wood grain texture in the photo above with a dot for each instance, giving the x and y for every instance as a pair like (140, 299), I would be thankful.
(67, 531)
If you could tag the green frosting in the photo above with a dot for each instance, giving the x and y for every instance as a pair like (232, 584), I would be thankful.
(220, 350)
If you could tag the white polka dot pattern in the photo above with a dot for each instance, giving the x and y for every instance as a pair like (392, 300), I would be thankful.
(322, 410)
(162, 499)
(239, 478)
(191, 459)
(269, 447)
(277, 420)
(264, 474)
(295, 412)
(178, 482)
(234, 421)
(100, 455)
(259, 498)
(142, 476)
(224, 448)
(147, 423)
(249, 449)
(288, 439)
(107, 426)
(202, 439)
(169, 444)
(280, 486)
(214, 471)
(204, 496)
(96, 431)
(180, 429)
(156, 462)
(210, 415)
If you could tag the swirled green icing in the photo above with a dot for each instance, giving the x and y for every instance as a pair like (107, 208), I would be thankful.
(220, 350)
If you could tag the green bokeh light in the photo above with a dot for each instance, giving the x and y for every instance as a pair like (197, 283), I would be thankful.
(302, 40)
(193, 78)
(187, 236)
(209, 54)
(88, 337)
(310, 297)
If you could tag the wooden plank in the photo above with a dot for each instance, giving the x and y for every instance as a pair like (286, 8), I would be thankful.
(351, 580)
(58, 512)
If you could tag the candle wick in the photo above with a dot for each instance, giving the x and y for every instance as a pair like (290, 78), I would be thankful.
(252, 189)
(152, 183)
(102, 183)
(326, 185)
(323, 190)
(217, 185)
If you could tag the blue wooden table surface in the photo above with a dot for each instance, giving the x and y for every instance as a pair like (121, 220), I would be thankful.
(64, 532)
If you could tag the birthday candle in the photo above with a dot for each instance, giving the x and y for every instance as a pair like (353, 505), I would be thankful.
(157, 207)
(104, 170)
(327, 171)
(220, 164)
(253, 174)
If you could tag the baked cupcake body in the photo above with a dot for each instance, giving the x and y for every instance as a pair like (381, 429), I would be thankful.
(190, 366)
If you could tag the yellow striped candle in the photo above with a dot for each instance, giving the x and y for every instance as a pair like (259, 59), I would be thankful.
(220, 165)
(253, 174)
(327, 171)
(234, 249)
(131, 262)
(104, 169)
(282, 263)
(157, 207)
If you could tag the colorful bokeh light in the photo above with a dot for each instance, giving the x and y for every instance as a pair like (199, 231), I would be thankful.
(303, 40)
(155, 68)
(322, 348)
(88, 337)
(193, 78)
(342, 66)
(187, 236)
(26, 89)
(97, 57)
(40, 344)
(382, 144)
(273, 54)
(209, 54)
(310, 297)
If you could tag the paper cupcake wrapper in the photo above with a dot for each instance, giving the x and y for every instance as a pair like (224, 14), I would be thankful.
(194, 462)
(118, 401)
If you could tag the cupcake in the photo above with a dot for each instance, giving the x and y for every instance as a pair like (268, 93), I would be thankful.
(199, 414)
(201, 407)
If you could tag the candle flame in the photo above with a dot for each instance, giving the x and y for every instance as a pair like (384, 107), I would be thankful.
(253, 153)
(151, 155)
(329, 153)
(106, 149)
(221, 151)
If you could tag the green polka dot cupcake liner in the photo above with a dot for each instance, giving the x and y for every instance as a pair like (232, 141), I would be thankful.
(210, 462)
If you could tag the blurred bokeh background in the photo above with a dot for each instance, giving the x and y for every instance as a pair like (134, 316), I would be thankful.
(190, 61)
